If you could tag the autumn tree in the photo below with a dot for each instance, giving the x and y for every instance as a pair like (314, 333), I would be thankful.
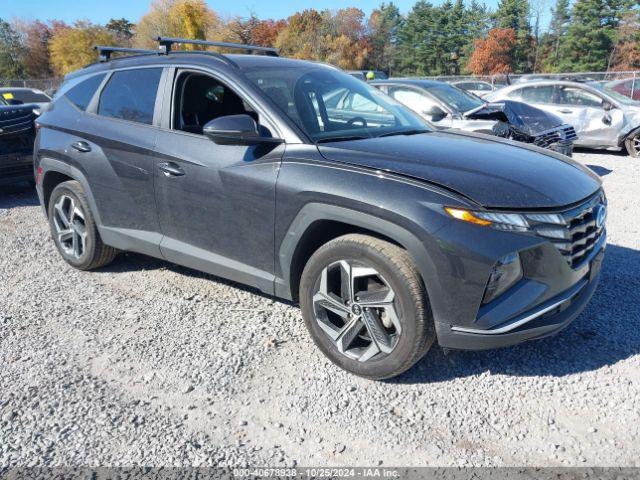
(626, 52)
(35, 39)
(494, 55)
(254, 31)
(72, 48)
(123, 30)
(382, 37)
(177, 18)
(515, 15)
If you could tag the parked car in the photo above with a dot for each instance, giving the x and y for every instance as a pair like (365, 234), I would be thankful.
(602, 117)
(476, 87)
(17, 135)
(629, 87)
(446, 106)
(19, 96)
(389, 234)
(362, 74)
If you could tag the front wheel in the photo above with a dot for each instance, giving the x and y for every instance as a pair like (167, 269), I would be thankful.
(365, 306)
(632, 143)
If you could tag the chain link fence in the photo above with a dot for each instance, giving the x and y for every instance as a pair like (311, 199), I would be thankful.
(48, 85)
(504, 79)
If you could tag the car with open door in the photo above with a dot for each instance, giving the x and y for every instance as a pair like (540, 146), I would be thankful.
(389, 233)
(602, 117)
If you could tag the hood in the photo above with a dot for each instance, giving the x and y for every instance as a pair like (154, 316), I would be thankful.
(492, 172)
(520, 116)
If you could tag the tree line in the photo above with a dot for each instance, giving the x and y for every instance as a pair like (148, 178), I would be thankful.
(452, 38)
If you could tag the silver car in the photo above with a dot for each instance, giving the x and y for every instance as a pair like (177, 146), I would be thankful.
(603, 118)
(446, 106)
(477, 87)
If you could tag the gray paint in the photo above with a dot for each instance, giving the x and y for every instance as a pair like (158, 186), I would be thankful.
(240, 212)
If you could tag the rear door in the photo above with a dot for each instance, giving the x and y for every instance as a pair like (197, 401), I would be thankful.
(114, 144)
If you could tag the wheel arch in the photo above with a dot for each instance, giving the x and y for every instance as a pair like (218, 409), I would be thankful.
(55, 172)
(316, 224)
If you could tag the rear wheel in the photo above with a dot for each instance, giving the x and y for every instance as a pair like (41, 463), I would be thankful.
(74, 230)
(365, 306)
(632, 143)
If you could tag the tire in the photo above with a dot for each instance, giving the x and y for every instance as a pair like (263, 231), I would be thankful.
(407, 323)
(632, 144)
(68, 228)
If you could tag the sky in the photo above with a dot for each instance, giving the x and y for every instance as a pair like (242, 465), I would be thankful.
(100, 11)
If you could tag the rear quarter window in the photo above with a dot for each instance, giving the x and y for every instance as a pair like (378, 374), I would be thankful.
(131, 95)
(83, 92)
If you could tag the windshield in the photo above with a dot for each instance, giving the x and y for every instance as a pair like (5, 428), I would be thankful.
(618, 96)
(330, 105)
(456, 98)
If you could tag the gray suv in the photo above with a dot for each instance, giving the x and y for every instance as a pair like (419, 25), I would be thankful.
(389, 234)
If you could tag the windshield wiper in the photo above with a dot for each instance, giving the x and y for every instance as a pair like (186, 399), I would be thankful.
(415, 131)
(344, 138)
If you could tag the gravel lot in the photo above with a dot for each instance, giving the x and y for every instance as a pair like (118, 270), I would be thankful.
(147, 363)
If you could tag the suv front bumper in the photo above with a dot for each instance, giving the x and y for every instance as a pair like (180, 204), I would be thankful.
(16, 167)
(545, 319)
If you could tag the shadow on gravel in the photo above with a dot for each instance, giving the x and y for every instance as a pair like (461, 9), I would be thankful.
(600, 171)
(18, 195)
(605, 333)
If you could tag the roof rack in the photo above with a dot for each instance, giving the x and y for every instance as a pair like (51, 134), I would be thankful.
(106, 51)
(166, 44)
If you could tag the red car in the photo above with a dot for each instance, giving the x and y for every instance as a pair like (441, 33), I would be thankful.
(629, 87)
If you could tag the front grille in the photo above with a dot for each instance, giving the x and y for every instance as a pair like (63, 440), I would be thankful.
(564, 135)
(574, 232)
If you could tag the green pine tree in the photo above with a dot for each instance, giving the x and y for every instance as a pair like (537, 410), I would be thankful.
(515, 14)
(11, 52)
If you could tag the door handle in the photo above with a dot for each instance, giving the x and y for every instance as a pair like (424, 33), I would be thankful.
(565, 111)
(81, 146)
(171, 169)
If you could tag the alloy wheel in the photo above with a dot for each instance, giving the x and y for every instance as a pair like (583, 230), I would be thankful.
(70, 227)
(635, 145)
(356, 308)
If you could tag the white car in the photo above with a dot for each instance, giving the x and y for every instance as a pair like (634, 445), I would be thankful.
(603, 118)
(476, 87)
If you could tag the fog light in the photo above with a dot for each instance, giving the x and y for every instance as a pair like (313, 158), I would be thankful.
(506, 273)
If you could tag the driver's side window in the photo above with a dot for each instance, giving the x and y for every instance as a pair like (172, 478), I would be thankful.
(200, 98)
(415, 100)
(575, 96)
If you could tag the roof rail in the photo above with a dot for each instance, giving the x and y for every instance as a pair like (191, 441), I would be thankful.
(106, 51)
(166, 44)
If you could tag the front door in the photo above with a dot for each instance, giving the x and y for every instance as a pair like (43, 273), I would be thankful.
(216, 203)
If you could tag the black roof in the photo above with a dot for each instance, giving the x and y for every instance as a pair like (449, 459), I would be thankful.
(203, 58)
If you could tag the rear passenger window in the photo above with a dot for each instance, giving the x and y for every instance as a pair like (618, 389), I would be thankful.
(81, 94)
(541, 94)
(131, 95)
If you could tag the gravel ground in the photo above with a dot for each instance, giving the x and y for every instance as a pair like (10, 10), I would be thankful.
(147, 363)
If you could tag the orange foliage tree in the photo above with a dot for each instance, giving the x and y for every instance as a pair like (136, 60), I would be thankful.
(494, 54)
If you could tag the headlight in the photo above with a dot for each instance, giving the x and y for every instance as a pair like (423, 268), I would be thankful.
(501, 221)
(505, 274)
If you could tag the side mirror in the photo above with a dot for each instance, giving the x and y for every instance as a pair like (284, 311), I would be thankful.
(236, 130)
(435, 113)
(607, 106)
